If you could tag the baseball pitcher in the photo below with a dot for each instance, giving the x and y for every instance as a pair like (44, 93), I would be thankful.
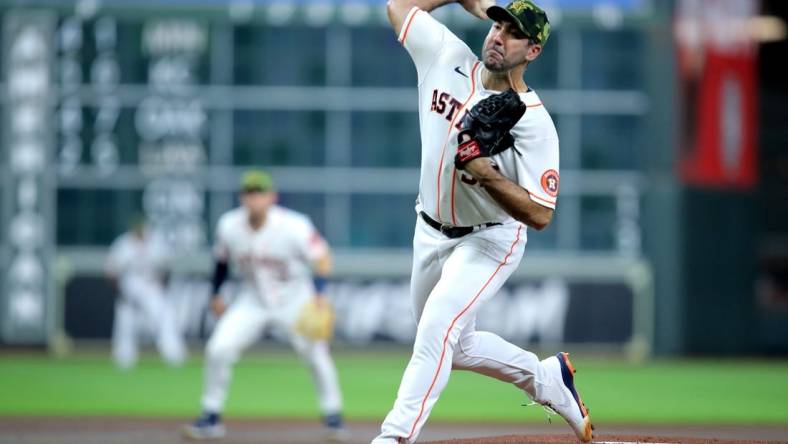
(283, 263)
(489, 170)
(137, 267)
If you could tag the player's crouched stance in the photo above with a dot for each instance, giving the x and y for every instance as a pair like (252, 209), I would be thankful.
(472, 213)
(283, 262)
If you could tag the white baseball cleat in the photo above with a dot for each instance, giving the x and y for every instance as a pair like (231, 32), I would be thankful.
(207, 426)
(566, 401)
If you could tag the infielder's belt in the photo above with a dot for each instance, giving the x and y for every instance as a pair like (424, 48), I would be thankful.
(451, 231)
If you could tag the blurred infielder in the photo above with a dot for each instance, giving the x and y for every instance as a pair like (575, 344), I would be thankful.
(489, 168)
(137, 265)
(275, 251)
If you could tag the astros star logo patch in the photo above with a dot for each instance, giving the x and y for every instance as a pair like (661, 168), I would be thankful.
(550, 182)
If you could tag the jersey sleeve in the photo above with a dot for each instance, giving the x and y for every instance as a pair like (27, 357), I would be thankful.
(311, 244)
(424, 38)
(537, 170)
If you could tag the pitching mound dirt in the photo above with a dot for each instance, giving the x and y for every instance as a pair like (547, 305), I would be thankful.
(119, 430)
(603, 439)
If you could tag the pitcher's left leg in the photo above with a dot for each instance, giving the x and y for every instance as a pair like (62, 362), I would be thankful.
(470, 277)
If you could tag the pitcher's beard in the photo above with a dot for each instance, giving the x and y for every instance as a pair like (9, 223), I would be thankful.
(496, 63)
(494, 66)
(497, 66)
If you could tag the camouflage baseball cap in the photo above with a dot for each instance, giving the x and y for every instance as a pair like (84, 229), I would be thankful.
(530, 19)
(256, 180)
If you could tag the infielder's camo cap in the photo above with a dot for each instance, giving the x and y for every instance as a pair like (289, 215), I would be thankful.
(256, 180)
(530, 19)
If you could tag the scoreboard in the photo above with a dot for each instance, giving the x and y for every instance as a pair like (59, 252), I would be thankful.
(96, 103)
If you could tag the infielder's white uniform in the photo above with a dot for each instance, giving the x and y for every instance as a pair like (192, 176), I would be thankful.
(139, 264)
(453, 278)
(275, 263)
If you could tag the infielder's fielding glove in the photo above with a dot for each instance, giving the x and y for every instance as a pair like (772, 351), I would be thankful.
(488, 124)
(316, 320)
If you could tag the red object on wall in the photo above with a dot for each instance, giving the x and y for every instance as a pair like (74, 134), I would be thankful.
(718, 90)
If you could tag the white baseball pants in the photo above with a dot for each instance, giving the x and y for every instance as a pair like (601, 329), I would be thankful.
(240, 327)
(450, 282)
(144, 303)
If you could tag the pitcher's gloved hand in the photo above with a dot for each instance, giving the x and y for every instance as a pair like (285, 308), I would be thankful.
(486, 128)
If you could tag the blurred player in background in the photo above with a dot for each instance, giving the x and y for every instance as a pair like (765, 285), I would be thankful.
(137, 267)
(284, 264)
(476, 196)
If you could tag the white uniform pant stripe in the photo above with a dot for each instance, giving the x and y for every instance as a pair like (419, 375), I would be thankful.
(473, 269)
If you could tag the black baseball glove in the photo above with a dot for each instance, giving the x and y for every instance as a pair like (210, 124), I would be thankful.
(488, 124)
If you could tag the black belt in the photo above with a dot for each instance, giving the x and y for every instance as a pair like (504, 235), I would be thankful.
(451, 231)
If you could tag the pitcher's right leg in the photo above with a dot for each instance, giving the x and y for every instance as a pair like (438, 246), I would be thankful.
(425, 274)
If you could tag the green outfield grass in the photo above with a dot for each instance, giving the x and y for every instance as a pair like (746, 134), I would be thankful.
(276, 385)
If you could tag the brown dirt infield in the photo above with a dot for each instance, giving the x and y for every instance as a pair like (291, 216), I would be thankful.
(617, 439)
(166, 431)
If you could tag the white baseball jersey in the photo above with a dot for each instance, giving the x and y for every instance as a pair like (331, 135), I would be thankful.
(132, 258)
(275, 260)
(449, 85)
(454, 277)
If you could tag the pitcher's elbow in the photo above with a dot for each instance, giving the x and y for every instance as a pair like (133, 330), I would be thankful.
(538, 226)
(539, 221)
